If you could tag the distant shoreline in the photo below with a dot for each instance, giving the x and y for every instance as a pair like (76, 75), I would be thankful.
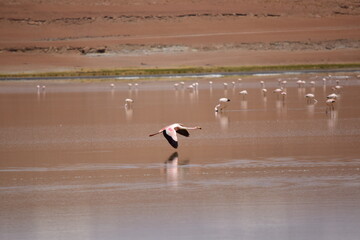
(137, 73)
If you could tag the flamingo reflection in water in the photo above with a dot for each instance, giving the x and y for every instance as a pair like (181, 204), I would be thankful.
(173, 169)
(128, 109)
(223, 120)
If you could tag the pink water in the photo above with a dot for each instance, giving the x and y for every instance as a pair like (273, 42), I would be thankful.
(75, 164)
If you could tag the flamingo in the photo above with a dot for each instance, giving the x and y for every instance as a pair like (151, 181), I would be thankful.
(337, 88)
(310, 97)
(264, 91)
(299, 83)
(222, 104)
(128, 102)
(170, 131)
(278, 90)
(262, 83)
(243, 93)
(196, 85)
(332, 96)
(330, 104)
(191, 87)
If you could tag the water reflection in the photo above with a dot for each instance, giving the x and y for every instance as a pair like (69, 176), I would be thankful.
(281, 109)
(301, 93)
(41, 93)
(128, 113)
(172, 169)
(312, 89)
(264, 100)
(223, 120)
(333, 119)
(311, 109)
(244, 104)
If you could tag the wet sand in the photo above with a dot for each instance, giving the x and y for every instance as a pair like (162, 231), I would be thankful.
(76, 164)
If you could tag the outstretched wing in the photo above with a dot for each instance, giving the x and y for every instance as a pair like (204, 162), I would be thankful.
(171, 138)
(183, 132)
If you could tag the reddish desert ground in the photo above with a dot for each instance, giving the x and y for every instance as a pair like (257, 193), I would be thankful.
(38, 36)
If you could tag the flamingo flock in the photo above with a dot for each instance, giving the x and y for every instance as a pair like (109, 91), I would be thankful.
(170, 132)
(281, 93)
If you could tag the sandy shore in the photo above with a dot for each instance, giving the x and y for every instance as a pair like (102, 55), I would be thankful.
(40, 37)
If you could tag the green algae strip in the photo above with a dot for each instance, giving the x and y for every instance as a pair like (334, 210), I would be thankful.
(182, 70)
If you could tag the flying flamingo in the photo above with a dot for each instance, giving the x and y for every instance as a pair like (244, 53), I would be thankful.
(170, 131)
(222, 104)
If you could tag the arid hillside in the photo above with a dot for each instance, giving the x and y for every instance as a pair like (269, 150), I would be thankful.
(38, 36)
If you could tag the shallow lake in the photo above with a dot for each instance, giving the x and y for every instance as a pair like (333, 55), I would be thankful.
(75, 163)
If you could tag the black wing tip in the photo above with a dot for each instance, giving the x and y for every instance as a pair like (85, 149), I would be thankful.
(183, 132)
(173, 143)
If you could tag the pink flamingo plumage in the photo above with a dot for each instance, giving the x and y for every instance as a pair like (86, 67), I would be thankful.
(170, 133)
